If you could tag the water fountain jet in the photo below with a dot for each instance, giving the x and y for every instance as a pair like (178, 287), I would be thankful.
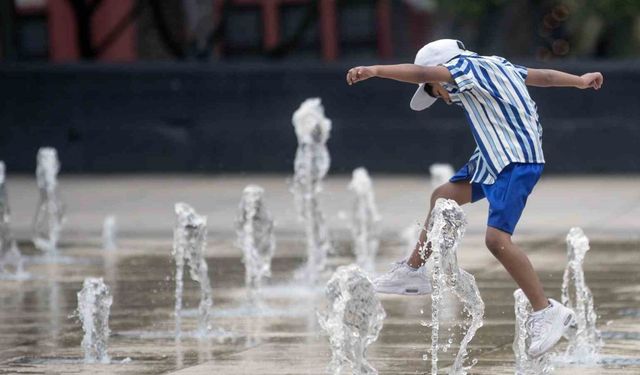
(585, 340)
(49, 216)
(445, 231)
(94, 306)
(11, 261)
(365, 219)
(310, 167)
(189, 243)
(353, 320)
(254, 229)
(109, 228)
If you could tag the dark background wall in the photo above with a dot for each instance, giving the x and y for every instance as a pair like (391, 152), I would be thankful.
(237, 118)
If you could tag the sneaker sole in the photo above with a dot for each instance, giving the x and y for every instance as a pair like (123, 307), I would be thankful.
(568, 320)
(404, 291)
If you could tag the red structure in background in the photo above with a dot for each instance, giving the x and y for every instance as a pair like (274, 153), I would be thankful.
(329, 32)
(419, 27)
(63, 45)
(61, 24)
(62, 31)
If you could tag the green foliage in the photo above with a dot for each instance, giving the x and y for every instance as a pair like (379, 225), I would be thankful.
(617, 20)
(604, 28)
(609, 9)
(614, 8)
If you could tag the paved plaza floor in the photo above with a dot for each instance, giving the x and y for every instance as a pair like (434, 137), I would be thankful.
(603, 205)
(39, 335)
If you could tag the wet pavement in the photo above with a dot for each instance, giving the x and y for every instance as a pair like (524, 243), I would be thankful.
(39, 334)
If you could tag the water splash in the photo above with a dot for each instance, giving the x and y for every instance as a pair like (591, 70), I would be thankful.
(109, 229)
(189, 243)
(310, 167)
(94, 306)
(50, 212)
(353, 319)
(445, 231)
(11, 261)
(440, 174)
(254, 229)
(585, 340)
(365, 219)
(526, 365)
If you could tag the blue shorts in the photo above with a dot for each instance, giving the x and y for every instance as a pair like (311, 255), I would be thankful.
(508, 195)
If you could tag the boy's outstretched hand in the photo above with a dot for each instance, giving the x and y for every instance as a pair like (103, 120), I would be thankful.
(591, 80)
(360, 73)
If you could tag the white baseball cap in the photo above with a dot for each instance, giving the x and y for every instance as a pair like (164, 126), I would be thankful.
(433, 54)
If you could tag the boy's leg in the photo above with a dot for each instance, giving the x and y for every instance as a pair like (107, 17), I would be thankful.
(460, 192)
(516, 262)
(549, 320)
(405, 277)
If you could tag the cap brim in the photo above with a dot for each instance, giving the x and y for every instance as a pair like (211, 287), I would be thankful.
(421, 100)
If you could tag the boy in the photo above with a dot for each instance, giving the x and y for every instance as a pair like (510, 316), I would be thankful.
(504, 167)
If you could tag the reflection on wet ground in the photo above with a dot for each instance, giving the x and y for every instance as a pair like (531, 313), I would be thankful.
(38, 333)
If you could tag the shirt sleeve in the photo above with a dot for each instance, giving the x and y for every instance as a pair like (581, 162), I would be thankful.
(462, 74)
(522, 70)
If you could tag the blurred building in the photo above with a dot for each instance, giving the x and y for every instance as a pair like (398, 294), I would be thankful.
(128, 30)
(132, 30)
(257, 60)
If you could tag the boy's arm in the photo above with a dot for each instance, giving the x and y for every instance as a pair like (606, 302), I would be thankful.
(554, 78)
(410, 73)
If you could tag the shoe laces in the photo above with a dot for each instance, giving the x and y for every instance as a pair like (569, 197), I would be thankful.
(536, 325)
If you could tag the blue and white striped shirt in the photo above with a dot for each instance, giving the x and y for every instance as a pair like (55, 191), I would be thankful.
(502, 115)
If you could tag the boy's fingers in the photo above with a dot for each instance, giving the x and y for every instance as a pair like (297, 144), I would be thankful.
(597, 81)
(355, 75)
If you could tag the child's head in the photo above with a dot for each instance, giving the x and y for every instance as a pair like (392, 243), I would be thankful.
(433, 54)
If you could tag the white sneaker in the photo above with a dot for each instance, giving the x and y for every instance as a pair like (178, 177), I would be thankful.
(405, 280)
(547, 327)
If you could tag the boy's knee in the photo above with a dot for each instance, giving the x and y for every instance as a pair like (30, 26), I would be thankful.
(439, 192)
(496, 242)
